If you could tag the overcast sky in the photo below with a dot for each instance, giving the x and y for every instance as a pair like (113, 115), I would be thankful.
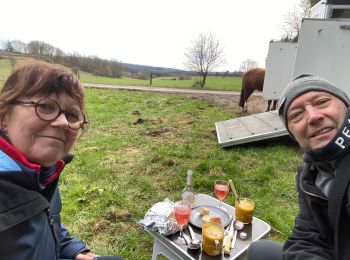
(147, 32)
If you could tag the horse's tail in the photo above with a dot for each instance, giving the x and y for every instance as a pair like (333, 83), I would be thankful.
(241, 99)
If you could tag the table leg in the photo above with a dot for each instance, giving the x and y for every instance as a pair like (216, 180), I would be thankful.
(160, 249)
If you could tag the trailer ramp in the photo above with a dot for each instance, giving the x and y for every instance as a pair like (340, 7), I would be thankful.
(250, 128)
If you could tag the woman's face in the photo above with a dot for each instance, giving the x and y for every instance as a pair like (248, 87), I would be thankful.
(43, 142)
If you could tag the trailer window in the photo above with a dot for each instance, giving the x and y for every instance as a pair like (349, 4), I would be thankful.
(340, 13)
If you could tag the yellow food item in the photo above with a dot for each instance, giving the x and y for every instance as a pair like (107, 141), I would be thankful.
(245, 210)
(206, 218)
(213, 236)
(204, 211)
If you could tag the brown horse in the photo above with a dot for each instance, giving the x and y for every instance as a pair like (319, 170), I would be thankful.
(252, 80)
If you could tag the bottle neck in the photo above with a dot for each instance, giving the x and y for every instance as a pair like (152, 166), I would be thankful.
(189, 179)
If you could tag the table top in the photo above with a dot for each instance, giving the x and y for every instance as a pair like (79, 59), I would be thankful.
(258, 229)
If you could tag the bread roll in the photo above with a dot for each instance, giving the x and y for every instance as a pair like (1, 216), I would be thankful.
(204, 211)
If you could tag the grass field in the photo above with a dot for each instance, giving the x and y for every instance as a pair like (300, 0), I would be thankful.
(5, 68)
(215, 83)
(137, 153)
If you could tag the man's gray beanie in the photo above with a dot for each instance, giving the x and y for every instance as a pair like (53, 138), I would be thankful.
(305, 83)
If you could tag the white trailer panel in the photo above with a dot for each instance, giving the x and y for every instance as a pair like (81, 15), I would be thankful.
(324, 50)
(279, 68)
(319, 10)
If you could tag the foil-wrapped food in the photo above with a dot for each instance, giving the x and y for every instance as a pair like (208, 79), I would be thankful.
(160, 218)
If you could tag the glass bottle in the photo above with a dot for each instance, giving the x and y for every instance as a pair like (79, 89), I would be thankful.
(188, 193)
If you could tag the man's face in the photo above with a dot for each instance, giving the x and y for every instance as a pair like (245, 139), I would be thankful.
(314, 118)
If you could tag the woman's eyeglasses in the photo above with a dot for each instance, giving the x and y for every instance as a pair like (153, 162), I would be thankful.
(50, 110)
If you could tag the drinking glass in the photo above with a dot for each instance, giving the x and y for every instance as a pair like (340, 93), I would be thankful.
(213, 238)
(182, 211)
(221, 189)
(244, 210)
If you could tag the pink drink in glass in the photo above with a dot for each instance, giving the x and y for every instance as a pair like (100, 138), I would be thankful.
(182, 211)
(182, 214)
(221, 191)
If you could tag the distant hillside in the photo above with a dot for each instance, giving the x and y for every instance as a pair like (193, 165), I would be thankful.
(156, 70)
(109, 68)
(101, 67)
(93, 64)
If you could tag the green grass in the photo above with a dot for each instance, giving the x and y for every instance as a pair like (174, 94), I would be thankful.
(5, 68)
(137, 153)
(213, 83)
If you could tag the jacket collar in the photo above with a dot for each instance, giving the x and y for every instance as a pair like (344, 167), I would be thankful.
(308, 176)
(28, 167)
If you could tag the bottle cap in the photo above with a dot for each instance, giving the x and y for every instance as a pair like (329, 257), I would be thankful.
(243, 235)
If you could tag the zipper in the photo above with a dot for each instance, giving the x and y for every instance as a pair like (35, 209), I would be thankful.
(51, 224)
(311, 194)
(312, 168)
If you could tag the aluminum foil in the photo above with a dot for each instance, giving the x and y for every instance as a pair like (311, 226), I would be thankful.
(160, 218)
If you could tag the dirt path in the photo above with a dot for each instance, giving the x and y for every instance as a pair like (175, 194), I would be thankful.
(256, 103)
(224, 99)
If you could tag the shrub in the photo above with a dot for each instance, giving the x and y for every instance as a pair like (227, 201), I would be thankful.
(184, 77)
(196, 84)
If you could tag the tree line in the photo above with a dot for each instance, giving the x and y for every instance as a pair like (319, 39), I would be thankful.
(94, 64)
(91, 64)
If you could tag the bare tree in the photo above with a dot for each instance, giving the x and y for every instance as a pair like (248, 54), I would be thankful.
(247, 65)
(19, 47)
(8, 46)
(292, 21)
(40, 48)
(58, 56)
(204, 55)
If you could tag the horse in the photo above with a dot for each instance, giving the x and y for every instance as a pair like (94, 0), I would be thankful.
(252, 80)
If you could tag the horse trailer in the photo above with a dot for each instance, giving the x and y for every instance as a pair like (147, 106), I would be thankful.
(323, 49)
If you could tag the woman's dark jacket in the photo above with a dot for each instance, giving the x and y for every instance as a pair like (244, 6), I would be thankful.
(30, 206)
(322, 227)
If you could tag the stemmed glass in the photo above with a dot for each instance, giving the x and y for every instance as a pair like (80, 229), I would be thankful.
(182, 210)
(221, 189)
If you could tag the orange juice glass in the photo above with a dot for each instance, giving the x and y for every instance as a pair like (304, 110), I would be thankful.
(245, 210)
(213, 237)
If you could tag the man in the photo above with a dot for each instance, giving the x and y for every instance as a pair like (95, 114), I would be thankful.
(317, 116)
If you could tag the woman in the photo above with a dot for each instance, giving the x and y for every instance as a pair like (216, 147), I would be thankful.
(41, 116)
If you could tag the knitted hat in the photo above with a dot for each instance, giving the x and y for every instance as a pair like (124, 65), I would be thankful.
(305, 83)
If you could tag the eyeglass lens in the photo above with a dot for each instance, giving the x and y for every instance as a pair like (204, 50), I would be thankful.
(50, 110)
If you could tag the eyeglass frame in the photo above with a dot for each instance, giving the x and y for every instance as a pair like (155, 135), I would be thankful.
(61, 111)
